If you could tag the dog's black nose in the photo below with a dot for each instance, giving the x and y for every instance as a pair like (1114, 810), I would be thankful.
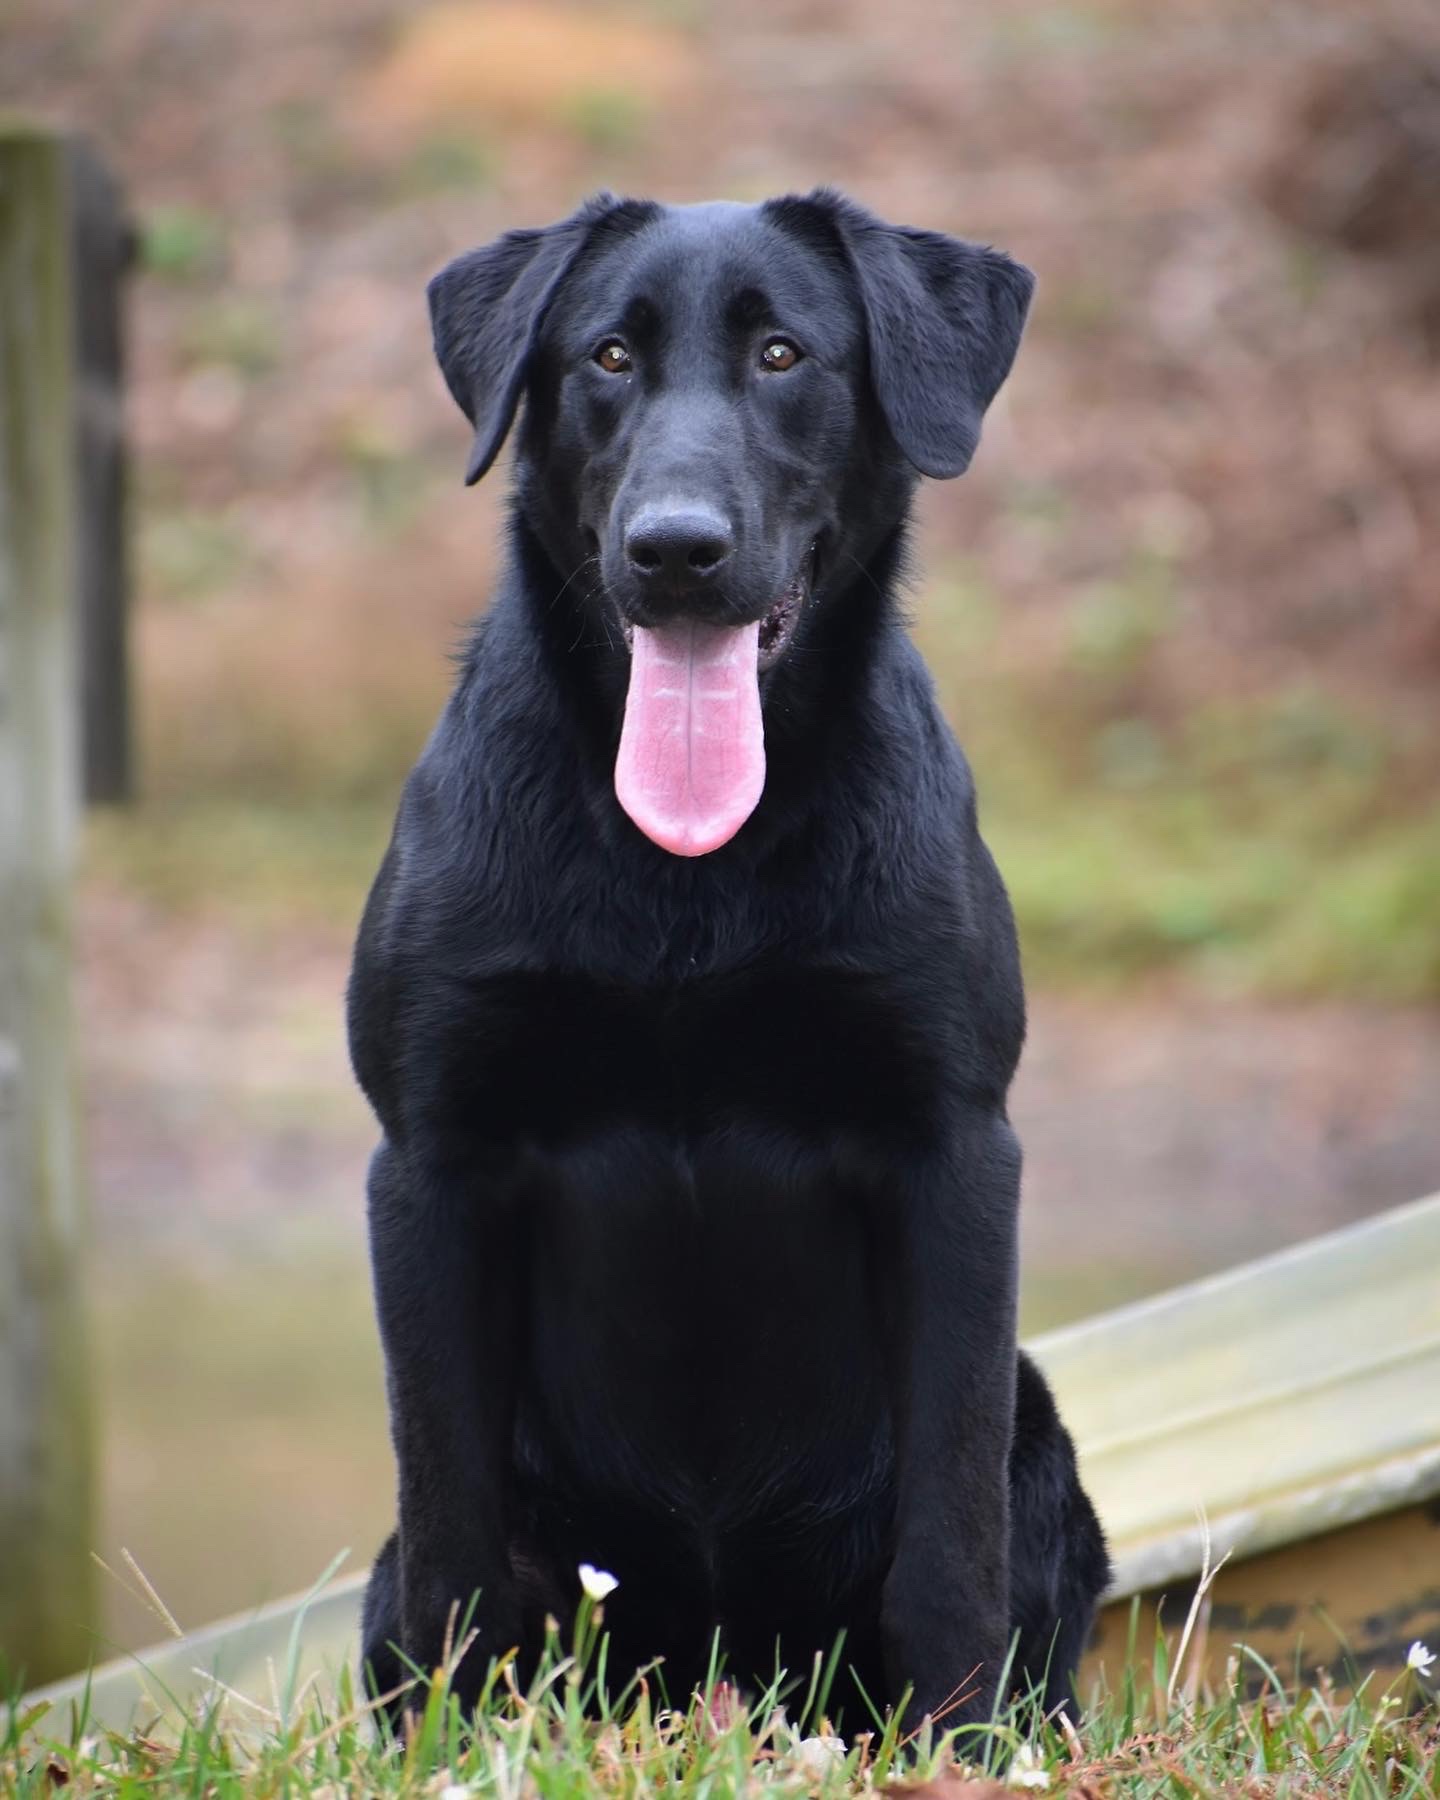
(681, 547)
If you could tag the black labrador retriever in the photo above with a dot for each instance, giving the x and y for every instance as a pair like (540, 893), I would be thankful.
(688, 998)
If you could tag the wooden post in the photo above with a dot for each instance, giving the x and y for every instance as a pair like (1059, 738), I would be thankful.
(101, 250)
(46, 1590)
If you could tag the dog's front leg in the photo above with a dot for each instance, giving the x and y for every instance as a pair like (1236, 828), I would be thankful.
(447, 1279)
(950, 1324)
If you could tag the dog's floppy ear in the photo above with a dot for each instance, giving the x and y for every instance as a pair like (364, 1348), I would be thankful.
(486, 310)
(944, 319)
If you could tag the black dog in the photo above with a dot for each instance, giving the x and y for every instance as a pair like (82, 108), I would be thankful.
(694, 1220)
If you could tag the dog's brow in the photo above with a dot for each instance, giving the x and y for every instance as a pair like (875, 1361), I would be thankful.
(750, 306)
(641, 316)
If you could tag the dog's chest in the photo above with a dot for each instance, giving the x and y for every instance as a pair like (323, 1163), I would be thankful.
(555, 1060)
(688, 1164)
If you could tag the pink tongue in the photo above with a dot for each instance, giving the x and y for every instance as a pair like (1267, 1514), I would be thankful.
(692, 749)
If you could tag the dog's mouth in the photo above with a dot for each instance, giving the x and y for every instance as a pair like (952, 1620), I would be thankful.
(777, 627)
(691, 764)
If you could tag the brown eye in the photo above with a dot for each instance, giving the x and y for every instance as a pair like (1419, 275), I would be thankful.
(613, 357)
(778, 355)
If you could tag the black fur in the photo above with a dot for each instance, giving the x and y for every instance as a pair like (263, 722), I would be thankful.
(694, 1219)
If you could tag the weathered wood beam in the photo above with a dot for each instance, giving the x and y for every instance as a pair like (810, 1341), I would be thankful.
(45, 1425)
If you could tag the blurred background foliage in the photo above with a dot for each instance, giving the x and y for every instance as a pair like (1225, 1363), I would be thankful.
(1185, 613)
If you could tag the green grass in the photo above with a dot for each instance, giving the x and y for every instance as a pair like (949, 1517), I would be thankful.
(1116, 888)
(1128, 852)
(181, 243)
(572, 1735)
(1279, 843)
(259, 864)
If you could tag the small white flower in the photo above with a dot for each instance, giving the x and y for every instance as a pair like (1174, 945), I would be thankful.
(456, 1791)
(817, 1754)
(597, 1583)
(1026, 1772)
(1420, 1659)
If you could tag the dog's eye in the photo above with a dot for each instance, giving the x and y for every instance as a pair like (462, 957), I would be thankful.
(613, 357)
(778, 355)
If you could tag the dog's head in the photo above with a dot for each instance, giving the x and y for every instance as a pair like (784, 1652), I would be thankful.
(724, 404)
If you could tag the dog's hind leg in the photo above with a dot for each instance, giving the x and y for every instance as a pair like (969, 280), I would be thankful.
(380, 1625)
(1058, 1562)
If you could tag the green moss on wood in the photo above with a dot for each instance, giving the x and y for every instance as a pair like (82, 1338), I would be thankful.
(46, 1487)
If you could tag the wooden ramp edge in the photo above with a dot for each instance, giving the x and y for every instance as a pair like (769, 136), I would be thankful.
(1283, 1401)
(1287, 1397)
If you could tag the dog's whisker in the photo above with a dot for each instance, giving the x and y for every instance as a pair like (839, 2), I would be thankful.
(855, 560)
(559, 593)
